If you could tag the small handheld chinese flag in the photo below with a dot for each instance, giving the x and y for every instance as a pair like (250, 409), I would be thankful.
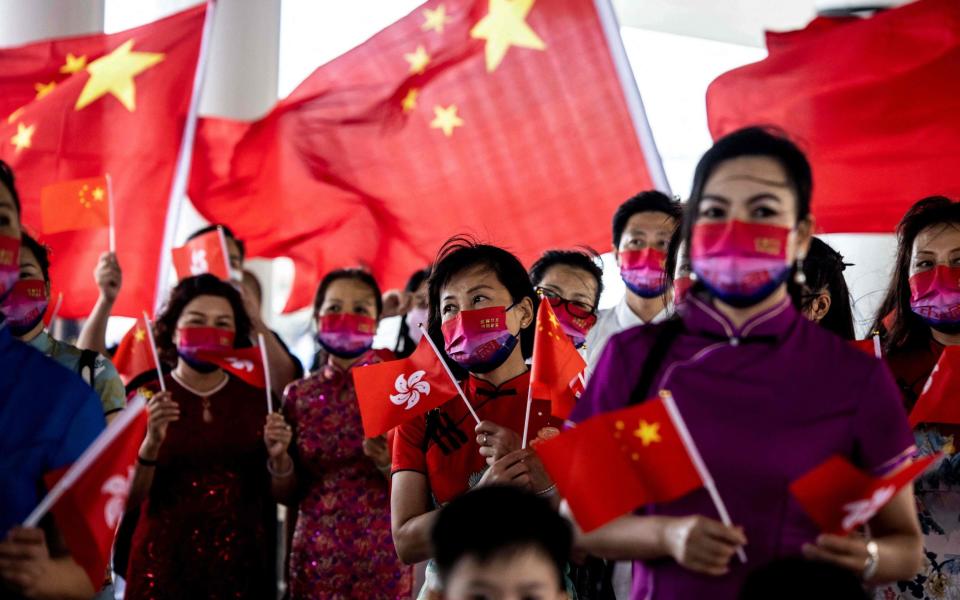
(203, 254)
(89, 497)
(244, 363)
(392, 393)
(614, 462)
(840, 497)
(133, 355)
(938, 401)
(554, 374)
(75, 205)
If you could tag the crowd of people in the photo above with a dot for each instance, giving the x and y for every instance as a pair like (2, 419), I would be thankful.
(731, 303)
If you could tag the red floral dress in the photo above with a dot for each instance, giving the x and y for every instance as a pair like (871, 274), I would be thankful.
(342, 546)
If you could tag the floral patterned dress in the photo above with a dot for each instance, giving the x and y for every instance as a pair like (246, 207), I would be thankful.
(342, 546)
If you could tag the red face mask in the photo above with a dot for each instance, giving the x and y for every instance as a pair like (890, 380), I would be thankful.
(347, 335)
(192, 340)
(25, 305)
(935, 297)
(644, 271)
(9, 264)
(478, 340)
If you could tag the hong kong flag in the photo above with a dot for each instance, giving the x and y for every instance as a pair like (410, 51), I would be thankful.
(245, 363)
(840, 497)
(206, 253)
(938, 402)
(516, 120)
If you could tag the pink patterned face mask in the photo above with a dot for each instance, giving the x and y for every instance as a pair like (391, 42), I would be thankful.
(346, 335)
(681, 288)
(9, 264)
(192, 340)
(740, 263)
(478, 340)
(25, 305)
(574, 321)
(644, 271)
(935, 297)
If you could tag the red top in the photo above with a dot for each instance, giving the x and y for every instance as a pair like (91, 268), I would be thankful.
(443, 446)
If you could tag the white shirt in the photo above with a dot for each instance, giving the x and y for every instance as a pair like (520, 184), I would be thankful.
(611, 321)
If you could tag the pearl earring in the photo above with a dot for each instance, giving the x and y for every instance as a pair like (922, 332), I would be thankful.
(799, 277)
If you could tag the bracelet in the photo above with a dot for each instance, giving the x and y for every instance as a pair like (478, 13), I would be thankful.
(550, 490)
(286, 473)
(384, 469)
(146, 461)
(873, 560)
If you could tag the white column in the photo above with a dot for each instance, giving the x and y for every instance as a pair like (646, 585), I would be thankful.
(25, 21)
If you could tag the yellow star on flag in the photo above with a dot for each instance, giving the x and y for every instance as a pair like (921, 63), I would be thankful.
(15, 115)
(435, 19)
(97, 194)
(23, 138)
(418, 59)
(505, 25)
(114, 73)
(648, 433)
(409, 101)
(74, 64)
(139, 335)
(554, 322)
(446, 119)
(44, 88)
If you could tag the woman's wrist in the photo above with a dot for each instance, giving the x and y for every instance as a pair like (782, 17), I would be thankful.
(280, 466)
(149, 449)
(872, 563)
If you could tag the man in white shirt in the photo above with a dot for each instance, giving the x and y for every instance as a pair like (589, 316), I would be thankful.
(642, 229)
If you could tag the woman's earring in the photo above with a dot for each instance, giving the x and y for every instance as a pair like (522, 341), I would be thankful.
(799, 277)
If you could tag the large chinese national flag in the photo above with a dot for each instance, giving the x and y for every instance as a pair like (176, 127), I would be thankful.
(874, 102)
(88, 106)
(502, 118)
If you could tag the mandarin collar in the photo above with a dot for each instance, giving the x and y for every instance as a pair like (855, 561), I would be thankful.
(775, 322)
(521, 381)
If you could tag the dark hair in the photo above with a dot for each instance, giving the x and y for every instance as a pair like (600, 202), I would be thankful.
(463, 252)
(405, 345)
(227, 232)
(648, 201)
(494, 522)
(586, 259)
(40, 252)
(8, 181)
(908, 331)
(823, 267)
(799, 579)
(186, 291)
(354, 274)
(753, 141)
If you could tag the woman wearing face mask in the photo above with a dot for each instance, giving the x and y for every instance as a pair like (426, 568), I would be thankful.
(572, 281)
(823, 296)
(766, 394)
(924, 303)
(341, 545)
(202, 483)
(413, 314)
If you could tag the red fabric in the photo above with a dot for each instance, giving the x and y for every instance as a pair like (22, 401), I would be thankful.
(138, 147)
(89, 512)
(133, 355)
(394, 392)
(873, 102)
(74, 205)
(245, 363)
(204, 254)
(604, 470)
(840, 497)
(554, 374)
(340, 174)
(938, 400)
(869, 346)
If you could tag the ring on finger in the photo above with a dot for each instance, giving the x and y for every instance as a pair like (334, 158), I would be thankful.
(482, 439)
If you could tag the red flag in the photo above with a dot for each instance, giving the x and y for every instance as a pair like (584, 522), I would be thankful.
(133, 355)
(84, 106)
(97, 485)
(394, 392)
(556, 368)
(245, 363)
(203, 254)
(615, 462)
(938, 401)
(848, 93)
(869, 346)
(74, 205)
(509, 116)
(840, 497)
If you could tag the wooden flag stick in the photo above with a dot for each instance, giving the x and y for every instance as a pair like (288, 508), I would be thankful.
(877, 348)
(526, 418)
(701, 467)
(266, 371)
(111, 215)
(153, 350)
(446, 368)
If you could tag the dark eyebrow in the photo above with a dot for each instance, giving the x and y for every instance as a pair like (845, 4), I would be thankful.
(772, 182)
(762, 197)
(719, 199)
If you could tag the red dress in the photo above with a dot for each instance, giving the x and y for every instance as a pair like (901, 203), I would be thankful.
(342, 545)
(208, 526)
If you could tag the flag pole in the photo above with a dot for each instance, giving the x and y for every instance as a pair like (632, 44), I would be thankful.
(112, 217)
(266, 371)
(93, 451)
(877, 348)
(153, 350)
(446, 368)
(526, 418)
(691, 446)
(178, 187)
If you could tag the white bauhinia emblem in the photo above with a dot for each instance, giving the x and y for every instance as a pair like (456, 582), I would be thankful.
(117, 487)
(198, 262)
(409, 389)
(926, 386)
(861, 511)
(240, 364)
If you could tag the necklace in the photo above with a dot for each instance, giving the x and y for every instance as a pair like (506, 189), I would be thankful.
(204, 396)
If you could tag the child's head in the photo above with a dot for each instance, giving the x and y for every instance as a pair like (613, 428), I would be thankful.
(501, 543)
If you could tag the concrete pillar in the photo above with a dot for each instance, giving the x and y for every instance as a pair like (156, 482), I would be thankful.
(23, 22)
